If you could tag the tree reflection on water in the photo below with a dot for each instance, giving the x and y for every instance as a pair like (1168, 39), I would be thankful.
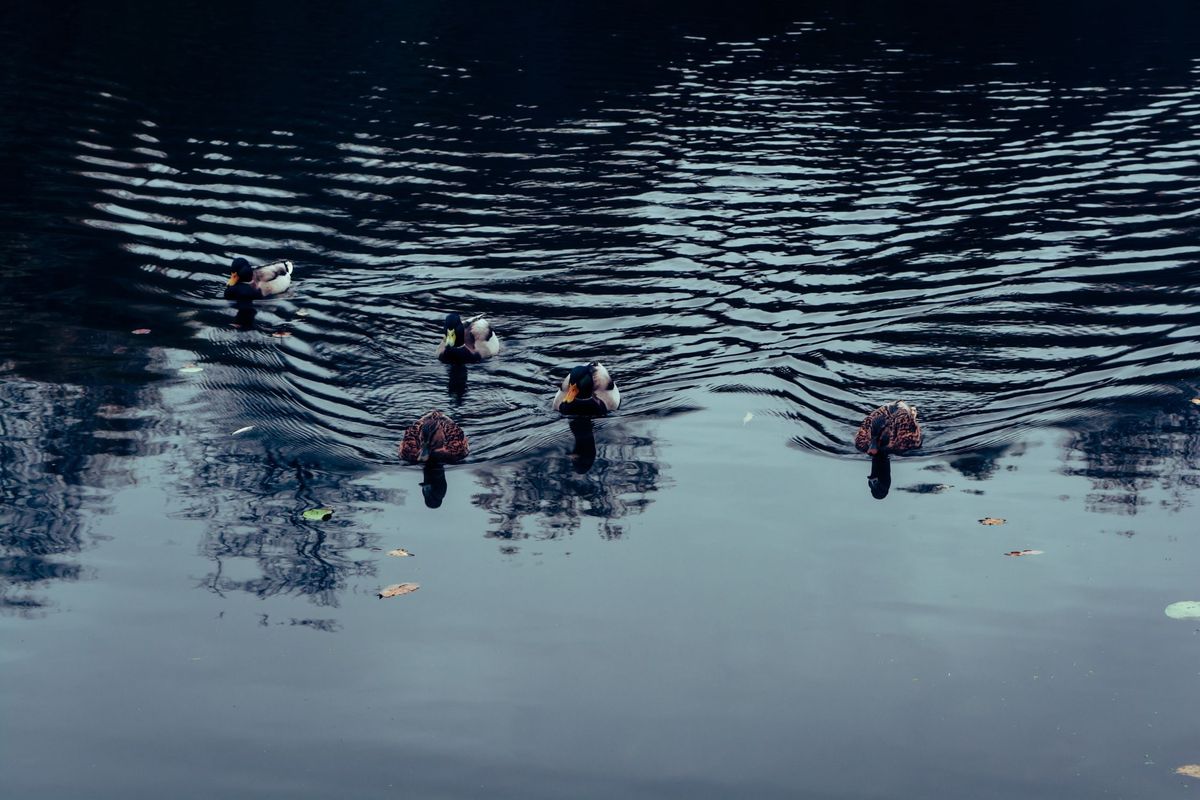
(606, 475)
(1138, 461)
(256, 513)
(58, 443)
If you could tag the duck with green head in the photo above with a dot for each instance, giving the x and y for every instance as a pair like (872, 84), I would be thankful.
(587, 390)
(467, 341)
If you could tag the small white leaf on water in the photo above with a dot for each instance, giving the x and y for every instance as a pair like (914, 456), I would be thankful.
(242, 430)
(399, 552)
(747, 418)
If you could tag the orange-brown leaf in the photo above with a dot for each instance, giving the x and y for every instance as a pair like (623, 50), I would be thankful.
(397, 589)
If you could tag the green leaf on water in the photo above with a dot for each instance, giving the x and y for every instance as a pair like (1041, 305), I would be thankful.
(1184, 609)
(318, 514)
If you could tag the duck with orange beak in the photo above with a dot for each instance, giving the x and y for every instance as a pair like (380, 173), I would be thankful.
(588, 390)
(254, 283)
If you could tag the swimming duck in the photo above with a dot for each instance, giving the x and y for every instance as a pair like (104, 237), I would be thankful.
(467, 341)
(891, 428)
(434, 437)
(253, 283)
(588, 389)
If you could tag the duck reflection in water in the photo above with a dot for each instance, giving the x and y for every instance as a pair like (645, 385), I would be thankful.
(433, 483)
(880, 479)
(583, 456)
(891, 428)
(456, 383)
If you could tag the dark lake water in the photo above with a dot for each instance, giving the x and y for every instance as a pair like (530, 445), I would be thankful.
(766, 221)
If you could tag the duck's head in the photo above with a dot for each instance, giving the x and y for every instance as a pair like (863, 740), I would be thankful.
(880, 438)
(242, 272)
(579, 384)
(456, 335)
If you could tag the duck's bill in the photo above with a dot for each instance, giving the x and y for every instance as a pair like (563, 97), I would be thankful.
(233, 279)
(449, 338)
(572, 391)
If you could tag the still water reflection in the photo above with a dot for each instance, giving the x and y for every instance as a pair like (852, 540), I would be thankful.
(766, 223)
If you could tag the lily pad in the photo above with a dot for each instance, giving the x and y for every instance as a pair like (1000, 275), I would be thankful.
(318, 514)
(1184, 609)
(399, 552)
(992, 521)
(397, 589)
(1190, 770)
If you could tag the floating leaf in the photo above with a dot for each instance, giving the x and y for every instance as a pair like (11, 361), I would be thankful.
(992, 521)
(1024, 552)
(1184, 609)
(140, 331)
(303, 312)
(1195, 400)
(318, 514)
(242, 430)
(397, 589)
(1190, 770)
(281, 334)
(747, 418)
(399, 552)
(190, 368)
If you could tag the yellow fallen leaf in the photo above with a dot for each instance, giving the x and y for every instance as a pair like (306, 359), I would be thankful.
(991, 521)
(1191, 770)
(400, 552)
(397, 589)
(1195, 400)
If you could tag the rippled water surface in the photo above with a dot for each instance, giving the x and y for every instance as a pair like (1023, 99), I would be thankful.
(766, 222)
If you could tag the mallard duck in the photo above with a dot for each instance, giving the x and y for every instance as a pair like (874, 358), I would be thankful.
(253, 283)
(434, 437)
(891, 428)
(588, 389)
(467, 341)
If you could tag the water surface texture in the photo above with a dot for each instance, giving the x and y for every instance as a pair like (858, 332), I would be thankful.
(766, 222)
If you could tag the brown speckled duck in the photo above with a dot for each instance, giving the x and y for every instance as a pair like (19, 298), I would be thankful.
(891, 428)
(434, 437)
